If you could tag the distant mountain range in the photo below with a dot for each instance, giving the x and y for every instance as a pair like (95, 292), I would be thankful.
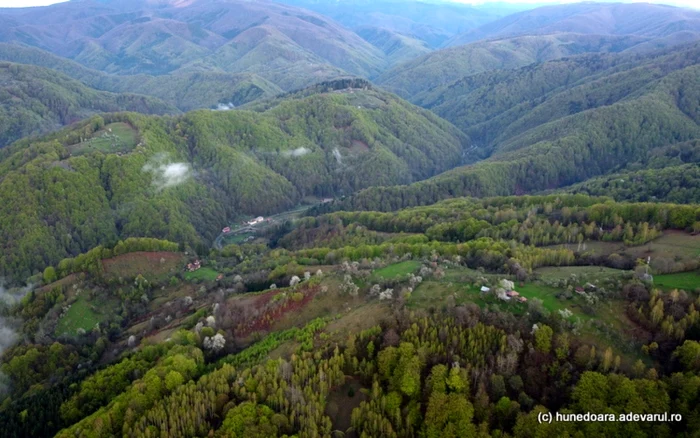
(641, 19)
(286, 45)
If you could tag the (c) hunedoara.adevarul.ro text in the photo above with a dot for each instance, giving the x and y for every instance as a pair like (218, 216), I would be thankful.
(549, 417)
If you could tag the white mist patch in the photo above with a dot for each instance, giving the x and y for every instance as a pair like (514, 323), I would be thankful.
(167, 174)
(298, 152)
(338, 157)
(8, 334)
(225, 107)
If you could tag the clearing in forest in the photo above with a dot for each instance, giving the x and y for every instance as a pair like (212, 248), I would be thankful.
(113, 138)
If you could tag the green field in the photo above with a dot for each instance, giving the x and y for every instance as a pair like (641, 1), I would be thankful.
(583, 273)
(115, 137)
(207, 274)
(80, 315)
(236, 238)
(397, 269)
(672, 244)
(688, 281)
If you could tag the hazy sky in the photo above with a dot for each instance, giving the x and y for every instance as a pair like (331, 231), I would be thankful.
(692, 3)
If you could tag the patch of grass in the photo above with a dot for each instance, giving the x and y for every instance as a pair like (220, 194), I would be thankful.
(397, 269)
(434, 294)
(207, 274)
(672, 245)
(688, 281)
(154, 266)
(237, 238)
(81, 314)
(115, 137)
(588, 273)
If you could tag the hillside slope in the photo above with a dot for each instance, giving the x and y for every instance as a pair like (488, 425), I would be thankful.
(35, 100)
(397, 47)
(184, 178)
(558, 123)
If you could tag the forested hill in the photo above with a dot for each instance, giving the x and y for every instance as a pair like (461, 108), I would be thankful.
(670, 174)
(558, 123)
(184, 178)
(185, 90)
(505, 110)
(441, 68)
(35, 100)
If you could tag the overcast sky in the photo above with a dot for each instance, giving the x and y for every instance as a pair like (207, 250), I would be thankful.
(692, 3)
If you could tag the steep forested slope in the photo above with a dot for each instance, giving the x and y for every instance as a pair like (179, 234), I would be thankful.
(396, 46)
(35, 100)
(443, 67)
(183, 178)
(503, 110)
(186, 90)
(559, 123)
(671, 174)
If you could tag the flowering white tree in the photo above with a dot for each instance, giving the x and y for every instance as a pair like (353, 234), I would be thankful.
(349, 287)
(388, 294)
(211, 321)
(507, 284)
(565, 313)
(414, 280)
(215, 343)
(375, 290)
(307, 275)
(294, 281)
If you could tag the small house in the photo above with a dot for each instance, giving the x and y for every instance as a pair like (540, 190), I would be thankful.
(485, 289)
(194, 266)
(226, 230)
(522, 299)
(579, 290)
(512, 294)
(256, 221)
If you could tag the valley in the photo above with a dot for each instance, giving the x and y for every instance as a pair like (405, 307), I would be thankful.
(311, 218)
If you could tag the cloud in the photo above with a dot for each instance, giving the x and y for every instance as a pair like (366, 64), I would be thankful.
(167, 174)
(298, 152)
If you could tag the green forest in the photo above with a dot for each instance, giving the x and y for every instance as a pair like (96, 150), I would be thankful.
(360, 219)
(375, 324)
(183, 178)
